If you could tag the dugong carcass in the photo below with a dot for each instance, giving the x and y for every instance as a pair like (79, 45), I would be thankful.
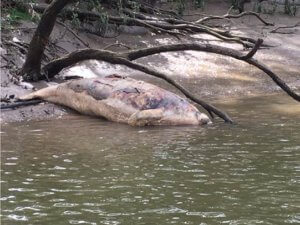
(122, 99)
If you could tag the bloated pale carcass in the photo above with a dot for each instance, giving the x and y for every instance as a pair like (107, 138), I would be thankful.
(122, 99)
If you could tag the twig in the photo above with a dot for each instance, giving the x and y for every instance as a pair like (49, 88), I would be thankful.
(195, 14)
(75, 35)
(116, 44)
(231, 16)
(229, 10)
(15, 44)
(284, 27)
(254, 50)
(8, 61)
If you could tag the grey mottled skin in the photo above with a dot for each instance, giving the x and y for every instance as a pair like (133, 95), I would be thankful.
(123, 99)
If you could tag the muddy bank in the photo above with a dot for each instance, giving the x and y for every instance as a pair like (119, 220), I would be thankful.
(210, 76)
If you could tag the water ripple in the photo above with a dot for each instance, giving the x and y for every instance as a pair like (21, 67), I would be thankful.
(89, 171)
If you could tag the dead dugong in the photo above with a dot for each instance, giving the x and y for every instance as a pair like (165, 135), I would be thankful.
(122, 99)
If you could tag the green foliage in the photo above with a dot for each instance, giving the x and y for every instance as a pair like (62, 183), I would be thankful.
(258, 7)
(75, 20)
(90, 5)
(102, 23)
(136, 6)
(235, 3)
(199, 3)
(180, 6)
(290, 8)
(14, 12)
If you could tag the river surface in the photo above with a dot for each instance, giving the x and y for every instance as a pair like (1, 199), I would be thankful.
(82, 170)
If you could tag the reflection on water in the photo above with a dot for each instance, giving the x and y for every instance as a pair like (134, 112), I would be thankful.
(83, 170)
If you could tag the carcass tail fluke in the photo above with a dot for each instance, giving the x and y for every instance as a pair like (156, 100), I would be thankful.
(40, 94)
(28, 97)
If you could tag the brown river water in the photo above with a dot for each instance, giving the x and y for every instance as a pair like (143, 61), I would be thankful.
(82, 170)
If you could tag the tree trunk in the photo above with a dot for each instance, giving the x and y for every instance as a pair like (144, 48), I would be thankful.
(31, 70)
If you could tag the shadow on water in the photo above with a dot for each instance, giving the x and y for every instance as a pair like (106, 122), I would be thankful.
(83, 170)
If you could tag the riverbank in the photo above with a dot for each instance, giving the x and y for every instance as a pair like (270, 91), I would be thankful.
(209, 76)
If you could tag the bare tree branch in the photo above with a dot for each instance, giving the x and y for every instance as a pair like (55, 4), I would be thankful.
(284, 27)
(56, 66)
(115, 58)
(72, 32)
(116, 44)
(231, 16)
(254, 49)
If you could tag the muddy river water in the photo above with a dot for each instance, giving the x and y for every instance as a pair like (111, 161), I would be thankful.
(81, 170)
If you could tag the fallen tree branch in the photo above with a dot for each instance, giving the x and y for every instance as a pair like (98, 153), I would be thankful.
(115, 58)
(231, 16)
(209, 108)
(145, 7)
(116, 44)
(275, 78)
(56, 66)
(17, 45)
(284, 27)
(254, 49)
(111, 19)
(176, 27)
(189, 27)
(217, 50)
(48, 20)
